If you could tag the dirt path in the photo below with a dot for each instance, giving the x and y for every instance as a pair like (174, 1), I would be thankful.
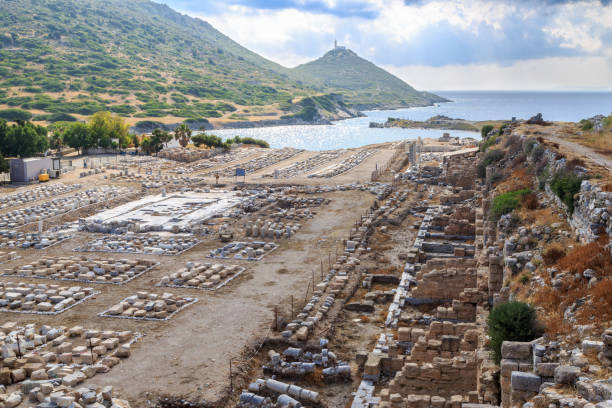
(582, 151)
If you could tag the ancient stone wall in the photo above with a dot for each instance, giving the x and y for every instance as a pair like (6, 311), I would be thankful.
(445, 278)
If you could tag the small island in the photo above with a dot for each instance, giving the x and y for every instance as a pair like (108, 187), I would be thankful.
(435, 122)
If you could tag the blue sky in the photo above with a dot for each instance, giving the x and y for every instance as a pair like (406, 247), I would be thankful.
(433, 44)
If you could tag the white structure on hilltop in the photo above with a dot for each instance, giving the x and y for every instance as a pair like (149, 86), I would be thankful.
(338, 47)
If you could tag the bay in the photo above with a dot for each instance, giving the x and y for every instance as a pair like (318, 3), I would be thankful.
(470, 105)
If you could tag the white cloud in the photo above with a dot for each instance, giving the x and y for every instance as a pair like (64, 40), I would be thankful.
(591, 73)
(515, 31)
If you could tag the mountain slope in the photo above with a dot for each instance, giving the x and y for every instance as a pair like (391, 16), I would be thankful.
(364, 84)
(133, 57)
(146, 62)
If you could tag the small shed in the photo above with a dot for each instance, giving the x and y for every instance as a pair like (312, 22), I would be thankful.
(26, 170)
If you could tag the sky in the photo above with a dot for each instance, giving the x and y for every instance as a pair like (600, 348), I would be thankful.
(432, 44)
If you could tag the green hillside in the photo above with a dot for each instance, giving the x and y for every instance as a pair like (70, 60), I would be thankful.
(364, 84)
(133, 57)
(67, 59)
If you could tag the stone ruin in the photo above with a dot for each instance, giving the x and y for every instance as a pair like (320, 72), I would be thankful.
(23, 297)
(35, 194)
(149, 306)
(345, 165)
(83, 269)
(444, 279)
(141, 244)
(40, 357)
(270, 229)
(202, 276)
(248, 251)
(459, 170)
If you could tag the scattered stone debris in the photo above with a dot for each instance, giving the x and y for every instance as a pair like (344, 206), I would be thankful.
(149, 306)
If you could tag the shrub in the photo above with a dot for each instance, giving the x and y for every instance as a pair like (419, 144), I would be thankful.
(485, 130)
(565, 185)
(488, 143)
(552, 255)
(512, 321)
(586, 124)
(15, 114)
(529, 145)
(207, 140)
(507, 202)
(491, 156)
(530, 201)
(249, 141)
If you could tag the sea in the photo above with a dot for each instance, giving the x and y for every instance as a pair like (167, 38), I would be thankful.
(469, 105)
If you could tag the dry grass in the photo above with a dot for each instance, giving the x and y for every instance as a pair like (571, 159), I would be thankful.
(530, 201)
(519, 179)
(552, 254)
(589, 256)
(601, 142)
(364, 319)
(597, 309)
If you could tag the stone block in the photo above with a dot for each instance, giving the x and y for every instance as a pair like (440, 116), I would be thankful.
(525, 381)
(517, 350)
(566, 374)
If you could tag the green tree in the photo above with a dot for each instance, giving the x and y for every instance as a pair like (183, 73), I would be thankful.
(512, 321)
(182, 134)
(4, 165)
(104, 127)
(78, 136)
(57, 140)
(161, 136)
(22, 139)
(207, 140)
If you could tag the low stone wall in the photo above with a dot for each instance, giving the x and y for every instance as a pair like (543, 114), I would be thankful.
(592, 212)
(445, 279)
(443, 377)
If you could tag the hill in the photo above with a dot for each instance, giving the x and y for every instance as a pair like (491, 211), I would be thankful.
(67, 59)
(364, 84)
(136, 58)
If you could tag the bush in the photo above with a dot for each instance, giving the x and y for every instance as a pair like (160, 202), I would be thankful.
(492, 156)
(507, 202)
(249, 141)
(15, 114)
(488, 143)
(512, 321)
(530, 201)
(207, 140)
(485, 130)
(565, 185)
(586, 124)
(552, 255)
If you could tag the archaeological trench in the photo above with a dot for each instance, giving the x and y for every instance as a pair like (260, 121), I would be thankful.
(346, 278)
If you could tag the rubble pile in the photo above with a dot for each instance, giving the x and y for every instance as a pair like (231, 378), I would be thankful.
(270, 229)
(26, 297)
(83, 269)
(149, 306)
(59, 206)
(202, 276)
(248, 251)
(183, 154)
(35, 194)
(48, 362)
(18, 239)
(140, 244)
